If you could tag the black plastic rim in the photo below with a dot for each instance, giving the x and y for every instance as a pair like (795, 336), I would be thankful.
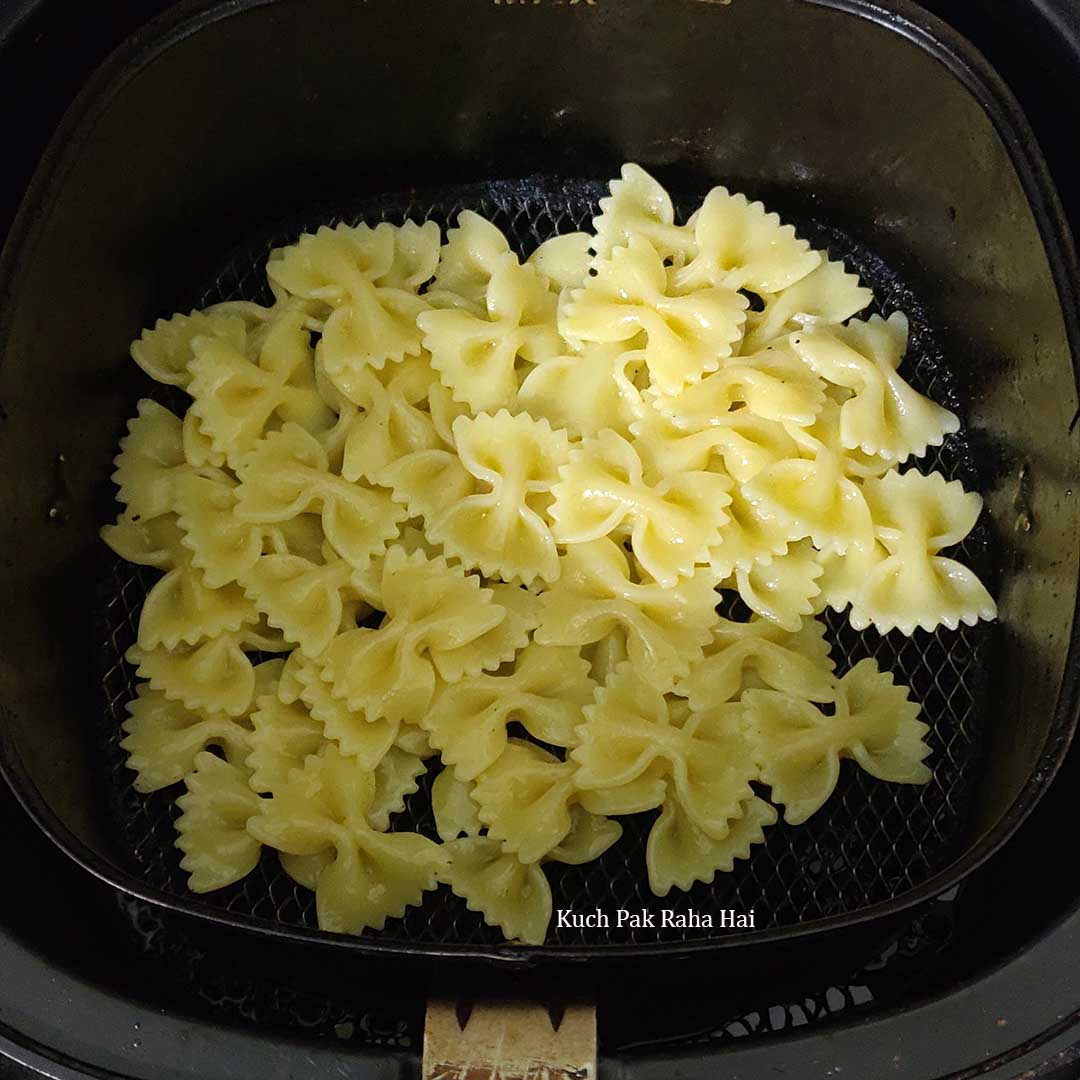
(903, 17)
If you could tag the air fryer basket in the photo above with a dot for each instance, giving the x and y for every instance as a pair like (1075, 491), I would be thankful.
(943, 209)
(872, 842)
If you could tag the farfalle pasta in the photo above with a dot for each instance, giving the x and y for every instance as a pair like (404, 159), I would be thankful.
(500, 529)
(453, 509)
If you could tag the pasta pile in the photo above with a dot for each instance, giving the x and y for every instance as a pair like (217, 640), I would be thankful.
(483, 511)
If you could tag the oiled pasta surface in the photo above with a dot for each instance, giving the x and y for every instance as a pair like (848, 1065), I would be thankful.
(485, 512)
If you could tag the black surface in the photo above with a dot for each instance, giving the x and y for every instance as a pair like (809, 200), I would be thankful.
(992, 929)
(202, 177)
(871, 843)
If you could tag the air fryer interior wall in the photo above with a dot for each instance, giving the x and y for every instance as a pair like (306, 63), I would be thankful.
(252, 117)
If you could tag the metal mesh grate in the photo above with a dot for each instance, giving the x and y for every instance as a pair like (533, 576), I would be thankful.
(871, 842)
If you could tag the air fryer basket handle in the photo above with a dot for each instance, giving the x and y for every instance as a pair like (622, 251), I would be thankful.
(508, 1039)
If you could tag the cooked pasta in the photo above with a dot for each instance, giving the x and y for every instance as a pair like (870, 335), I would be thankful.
(482, 510)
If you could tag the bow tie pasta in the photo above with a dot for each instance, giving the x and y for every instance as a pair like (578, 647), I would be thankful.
(484, 508)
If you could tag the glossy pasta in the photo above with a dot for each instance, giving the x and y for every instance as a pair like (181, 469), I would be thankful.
(443, 509)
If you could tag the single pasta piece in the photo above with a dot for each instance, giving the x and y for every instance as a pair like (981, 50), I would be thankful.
(234, 398)
(306, 600)
(212, 826)
(812, 495)
(544, 693)
(391, 422)
(587, 392)
(165, 352)
(502, 531)
(633, 753)
(799, 748)
(915, 516)
(884, 416)
(431, 608)
(685, 335)
(164, 738)
(564, 260)
(673, 524)
(288, 473)
(638, 206)
(664, 629)
(759, 652)
(679, 853)
(783, 589)
(741, 246)
(368, 876)
(477, 355)
(510, 894)
(366, 279)
(151, 459)
(774, 385)
(827, 296)
(525, 799)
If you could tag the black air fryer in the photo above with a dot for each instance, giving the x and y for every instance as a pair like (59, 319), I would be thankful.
(160, 150)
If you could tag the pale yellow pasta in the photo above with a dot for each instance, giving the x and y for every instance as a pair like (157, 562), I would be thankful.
(828, 296)
(215, 675)
(798, 747)
(164, 737)
(760, 653)
(428, 481)
(151, 459)
(774, 385)
(749, 536)
(525, 799)
(287, 472)
(389, 424)
(370, 876)
(234, 398)
(476, 355)
(564, 260)
(915, 516)
(357, 736)
(672, 524)
(513, 895)
(396, 777)
(679, 853)
(587, 392)
(222, 546)
(544, 693)
(638, 206)
(165, 351)
(634, 753)
(488, 511)
(737, 245)
(355, 273)
(784, 588)
(501, 530)
(685, 335)
(664, 628)
(740, 442)
(884, 416)
(509, 893)
(282, 736)
(453, 806)
(212, 826)
(500, 644)
(180, 608)
(468, 259)
(309, 602)
(812, 495)
(431, 608)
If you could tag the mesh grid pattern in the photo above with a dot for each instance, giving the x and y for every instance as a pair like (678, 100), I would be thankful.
(871, 842)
